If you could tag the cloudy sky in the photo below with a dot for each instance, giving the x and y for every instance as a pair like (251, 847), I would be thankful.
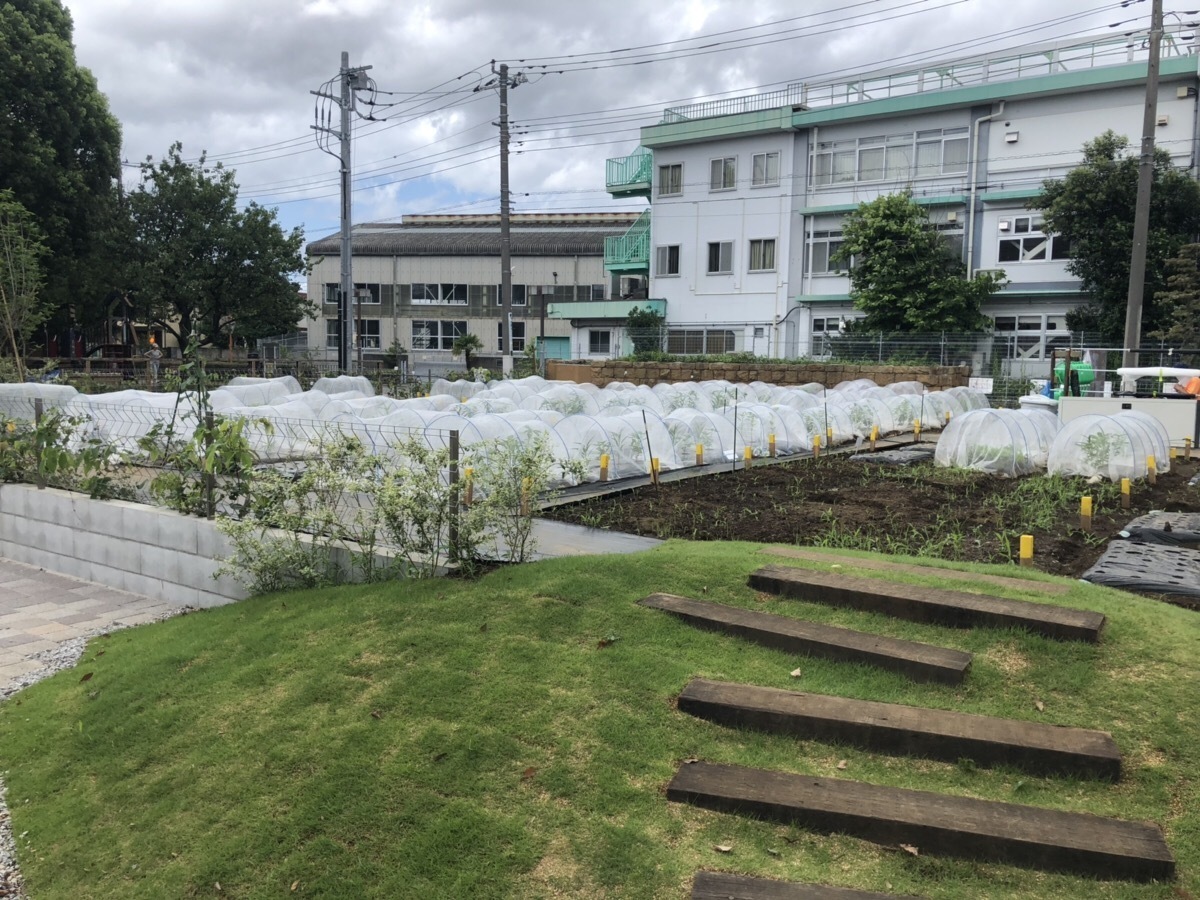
(233, 78)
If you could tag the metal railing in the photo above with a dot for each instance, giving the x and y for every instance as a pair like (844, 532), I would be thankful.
(629, 170)
(631, 248)
(1005, 65)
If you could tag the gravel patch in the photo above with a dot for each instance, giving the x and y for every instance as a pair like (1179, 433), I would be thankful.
(62, 656)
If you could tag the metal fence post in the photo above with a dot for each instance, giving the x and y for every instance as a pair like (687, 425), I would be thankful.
(454, 496)
(39, 409)
(210, 480)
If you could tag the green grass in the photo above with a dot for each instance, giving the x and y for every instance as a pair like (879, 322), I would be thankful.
(474, 739)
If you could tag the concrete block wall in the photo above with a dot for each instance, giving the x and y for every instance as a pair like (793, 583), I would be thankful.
(147, 550)
(651, 373)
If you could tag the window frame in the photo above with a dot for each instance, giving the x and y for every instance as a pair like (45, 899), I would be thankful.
(831, 241)
(440, 297)
(1030, 241)
(369, 341)
(659, 270)
(763, 247)
(669, 169)
(728, 267)
(766, 180)
(846, 161)
(333, 336)
(437, 340)
(517, 339)
(727, 180)
(594, 343)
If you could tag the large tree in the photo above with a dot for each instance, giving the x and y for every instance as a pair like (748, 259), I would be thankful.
(59, 147)
(199, 266)
(1093, 207)
(1179, 303)
(22, 308)
(905, 276)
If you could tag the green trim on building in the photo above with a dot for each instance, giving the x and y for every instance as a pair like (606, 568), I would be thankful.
(948, 200)
(603, 309)
(1040, 86)
(1001, 196)
(736, 125)
(821, 298)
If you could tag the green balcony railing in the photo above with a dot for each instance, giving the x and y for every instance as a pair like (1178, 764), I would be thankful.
(630, 175)
(629, 252)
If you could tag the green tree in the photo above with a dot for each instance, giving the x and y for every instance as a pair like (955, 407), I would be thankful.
(60, 148)
(201, 267)
(1093, 207)
(645, 329)
(1179, 304)
(905, 276)
(466, 345)
(22, 308)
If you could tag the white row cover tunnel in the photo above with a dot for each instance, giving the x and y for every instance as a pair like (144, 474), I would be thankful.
(631, 424)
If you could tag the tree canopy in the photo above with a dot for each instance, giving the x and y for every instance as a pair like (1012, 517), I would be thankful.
(22, 308)
(59, 144)
(199, 266)
(905, 276)
(1093, 206)
(1179, 303)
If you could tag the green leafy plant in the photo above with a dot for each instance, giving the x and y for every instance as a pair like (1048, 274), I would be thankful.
(56, 451)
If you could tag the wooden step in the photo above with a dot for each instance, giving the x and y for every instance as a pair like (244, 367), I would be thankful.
(925, 604)
(726, 886)
(906, 730)
(921, 662)
(1015, 582)
(933, 823)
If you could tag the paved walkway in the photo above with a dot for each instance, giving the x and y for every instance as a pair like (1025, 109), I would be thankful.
(39, 610)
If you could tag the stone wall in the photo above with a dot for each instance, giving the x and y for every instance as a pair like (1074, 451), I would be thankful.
(603, 372)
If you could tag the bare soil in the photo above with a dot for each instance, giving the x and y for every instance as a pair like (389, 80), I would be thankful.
(917, 510)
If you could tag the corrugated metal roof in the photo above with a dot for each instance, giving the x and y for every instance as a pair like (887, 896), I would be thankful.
(464, 240)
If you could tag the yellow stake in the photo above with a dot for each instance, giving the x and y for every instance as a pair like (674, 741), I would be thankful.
(816, 445)
(604, 467)
(917, 429)
(1152, 469)
(747, 455)
(947, 417)
(828, 437)
(1027, 549)
(699, 454)
(1124, 493)
(1085, 513)
(874, 435)
(1174, 453)
(771, 445)
(654, 469)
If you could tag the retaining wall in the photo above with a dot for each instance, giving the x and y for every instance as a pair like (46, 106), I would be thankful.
(143, 549)
(604, 372)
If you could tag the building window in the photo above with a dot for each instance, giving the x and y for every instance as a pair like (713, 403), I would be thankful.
(723, 174)
(720, 258)
(670, 180)
(1022, 239)
(823, 249)
(762, 255)
(765, 169)
(435, 334)
(429, 294)
(367, 294)
(597, 292)
(369, 335)
(331, 293)
(518, 329)
(1031, 337)
(333, 333)
(668, 260)
(700, 341)
(827, 324)
(599, 343)
(520, 294)
(891, 157)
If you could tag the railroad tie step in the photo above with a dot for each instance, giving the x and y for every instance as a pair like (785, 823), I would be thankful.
(727, 886)
(920, 662)
(931, 823)
(906, 730)
(925, 604)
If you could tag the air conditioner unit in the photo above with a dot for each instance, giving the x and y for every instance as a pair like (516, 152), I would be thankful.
(951, 216)
(1005, 225)
(1164, 120)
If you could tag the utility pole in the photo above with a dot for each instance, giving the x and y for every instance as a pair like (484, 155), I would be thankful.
(347, 302)
(1141, 218)
(504, 82)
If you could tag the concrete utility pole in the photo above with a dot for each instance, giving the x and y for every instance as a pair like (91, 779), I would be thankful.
(504, 82)
(347, 302)
(1141, 217)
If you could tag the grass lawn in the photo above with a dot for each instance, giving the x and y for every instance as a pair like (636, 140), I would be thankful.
(511, 737)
